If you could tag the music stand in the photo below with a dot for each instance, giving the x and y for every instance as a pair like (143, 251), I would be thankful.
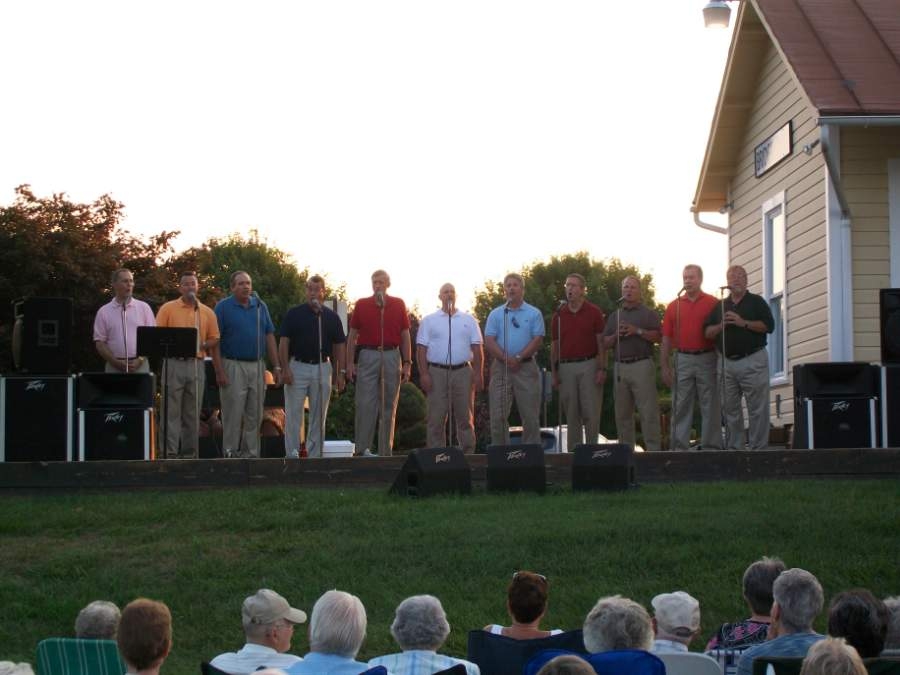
(166, 343)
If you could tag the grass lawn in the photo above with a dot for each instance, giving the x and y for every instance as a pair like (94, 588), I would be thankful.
(202, 552)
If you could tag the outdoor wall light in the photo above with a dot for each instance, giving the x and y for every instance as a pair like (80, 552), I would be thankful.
(716, 14)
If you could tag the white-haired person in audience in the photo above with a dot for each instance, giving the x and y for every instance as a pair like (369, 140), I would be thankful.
(832, 656)
(676, 621)
(617, 623)
(567, 664)
(798, 599)
(892, 639)
(861, 619)
(269, 622)
(99, 620)
(337, 629)
(420, 628)
(10, 668)
(144, 636)
(757, 589)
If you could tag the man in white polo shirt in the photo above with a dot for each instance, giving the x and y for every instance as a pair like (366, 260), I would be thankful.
(268, 626)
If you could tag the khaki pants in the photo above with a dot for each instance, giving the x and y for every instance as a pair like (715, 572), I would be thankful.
(183, 383)
(697, 378)
(747, 378)
(368, 394)
(309, 383)
(451, 393)
(242, 406)
(525, 387)
(582, 401)
(635, 387)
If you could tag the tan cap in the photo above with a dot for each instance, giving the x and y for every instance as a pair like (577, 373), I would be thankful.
(266, 606)
(676, 613)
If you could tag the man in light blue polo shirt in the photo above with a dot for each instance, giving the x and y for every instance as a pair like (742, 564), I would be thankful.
(247, 334)
(512, 336)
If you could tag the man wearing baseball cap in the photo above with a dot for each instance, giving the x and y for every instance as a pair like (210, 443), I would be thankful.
(268, 626)
(676, 620)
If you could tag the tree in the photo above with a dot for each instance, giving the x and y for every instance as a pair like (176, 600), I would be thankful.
(53, 247)
(545, 287)
(276, 277)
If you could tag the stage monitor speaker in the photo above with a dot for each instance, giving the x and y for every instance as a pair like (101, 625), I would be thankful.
(835, 422)
(271, 447)
(124, 433)
(818, 380)
(890, 406)
(115, 390)
(516, 468)
(889, 305)
(42, 335)
(605, 466)
(37, 418)
(432, 471)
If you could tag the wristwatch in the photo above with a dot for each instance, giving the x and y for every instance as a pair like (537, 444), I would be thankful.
(640, 332)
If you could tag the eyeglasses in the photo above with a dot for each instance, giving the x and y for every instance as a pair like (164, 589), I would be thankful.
(539, 576)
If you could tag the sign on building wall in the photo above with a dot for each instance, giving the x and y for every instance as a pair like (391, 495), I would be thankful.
(771, 151)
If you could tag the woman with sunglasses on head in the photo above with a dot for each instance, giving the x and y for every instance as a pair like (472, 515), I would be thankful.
(526, 602)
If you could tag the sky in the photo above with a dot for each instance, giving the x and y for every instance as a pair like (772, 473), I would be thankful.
(441, 141)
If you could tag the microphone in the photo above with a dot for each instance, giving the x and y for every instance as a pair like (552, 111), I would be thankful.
(725, 288)
(562, 303)
(379, 298)
(506, 308)
(620, 300)
(316, 305)
(192, 298)
(683, 289)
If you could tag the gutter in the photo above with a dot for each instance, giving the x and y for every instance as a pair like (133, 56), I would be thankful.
(860, 120)
(707, 226)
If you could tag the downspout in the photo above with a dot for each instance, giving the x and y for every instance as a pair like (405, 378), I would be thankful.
(707, 226)
(834, 174)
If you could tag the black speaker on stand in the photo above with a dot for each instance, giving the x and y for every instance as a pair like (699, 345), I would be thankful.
(605, 466)
(516, 468)
(836, 405)
(431, 471)
(115, 416)
(37, 417)
(889, 314)
(42, 335)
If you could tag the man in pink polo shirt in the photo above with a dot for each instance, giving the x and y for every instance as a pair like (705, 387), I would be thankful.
(116, 324)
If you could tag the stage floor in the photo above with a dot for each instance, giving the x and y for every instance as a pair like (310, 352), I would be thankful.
(377, 472)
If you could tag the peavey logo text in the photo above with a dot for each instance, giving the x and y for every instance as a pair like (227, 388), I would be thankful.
(600, 454)
(513, 455)
(840, 406)
(35, 385)
(113, 418)
(441, 457)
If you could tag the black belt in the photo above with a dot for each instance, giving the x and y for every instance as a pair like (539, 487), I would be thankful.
(377, 348)
(633, 359)
(185, 358)
(312, 362)
(735, 357)
(580, 360)
(694, 352)
(234, 358)
(444, 366)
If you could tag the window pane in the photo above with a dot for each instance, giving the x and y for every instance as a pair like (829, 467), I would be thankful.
(776, 339)
(777, 256)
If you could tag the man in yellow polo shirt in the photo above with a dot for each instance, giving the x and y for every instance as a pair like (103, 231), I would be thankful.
(186, 378)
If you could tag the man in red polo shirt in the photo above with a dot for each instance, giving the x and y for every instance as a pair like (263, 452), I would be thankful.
(379, 337)
(695, 364)
(578, 362)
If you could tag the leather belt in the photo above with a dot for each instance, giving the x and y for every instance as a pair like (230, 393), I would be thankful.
(633, 359)
(378, 348)
(736, 357)
(579, 360)
(444, 366)
(312, 362)
(234, 358)
(694, 352)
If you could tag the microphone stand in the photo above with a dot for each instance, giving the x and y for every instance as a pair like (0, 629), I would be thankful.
(197, 394)
(125, 334)
(321, 414)
(562, 303)
(675, 359)
(722, 394)
(449, 377)
(382, 436)
(506, 372)
(619, 341)
(260, 375)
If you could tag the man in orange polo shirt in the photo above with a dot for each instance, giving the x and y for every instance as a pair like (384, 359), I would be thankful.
(578, 362)
(184, 379)
(379, 339)
(695, 364)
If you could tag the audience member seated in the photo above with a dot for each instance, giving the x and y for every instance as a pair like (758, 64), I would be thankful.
(861, 619)
(10, 668)
(98, 621)
(568, 664)
(526, 603)
(757, 589)
(676, 620)
(420, 627)
(145, 636)
(892, 639)
(832, 656)
(617, 623)
(337, 629)
(798, 599)
(269, 623)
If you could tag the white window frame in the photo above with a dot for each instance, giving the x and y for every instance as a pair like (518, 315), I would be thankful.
(778, 372)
